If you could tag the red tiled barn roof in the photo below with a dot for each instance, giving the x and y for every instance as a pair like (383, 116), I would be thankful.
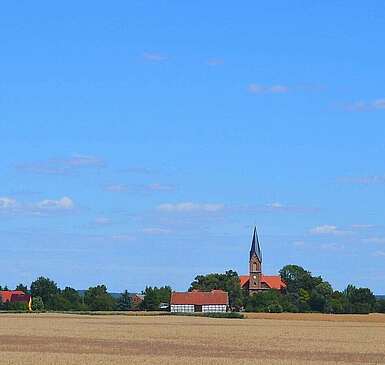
(215, 297)
(272, 281)
(13, 296)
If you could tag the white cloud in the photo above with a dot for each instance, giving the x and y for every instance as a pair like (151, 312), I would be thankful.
(379, 253)
(154, 57)
(264, 89)
(215, 62)
(187, 207)
(362, 226)
(7, 203)
(280, 207)
(122, 237)
(155, 231)
(139, 170)
(328, 230)
(332, 247)
(364, 180)
(10, 205)
(116, 188)
(159, 187)
(121, 188)
(63, 203)
(298, 243)
(363, 106)
(379, 104)
(64, 166)
(102, 221)
(275, 205)
(374, 240)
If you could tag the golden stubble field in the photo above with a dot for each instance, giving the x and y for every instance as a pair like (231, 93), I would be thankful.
(260, 339)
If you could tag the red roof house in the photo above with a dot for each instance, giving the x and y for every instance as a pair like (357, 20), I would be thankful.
(14, 296)
(199, 301)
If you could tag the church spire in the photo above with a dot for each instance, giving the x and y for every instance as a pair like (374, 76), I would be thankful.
(255, 247)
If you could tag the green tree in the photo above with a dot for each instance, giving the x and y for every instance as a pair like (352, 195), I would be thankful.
(124, 302)
(98, 299)
(229, 282)
(265, 301)
(380, 306)
(151, 299)
(37, 304)
(153, 296)
(296, 277)
(68, 299)
(361, 300)
(23, 288)
(47, 290)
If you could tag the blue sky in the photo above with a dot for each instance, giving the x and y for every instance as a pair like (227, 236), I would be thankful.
(141, 141)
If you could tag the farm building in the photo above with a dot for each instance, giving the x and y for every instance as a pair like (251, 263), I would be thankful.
(256, 281)
(136, 299)
(14, 296)
(199, 301)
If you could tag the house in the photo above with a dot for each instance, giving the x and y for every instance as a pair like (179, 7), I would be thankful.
(199, 301)
(256, 282)
(14, 296)
(136, 299)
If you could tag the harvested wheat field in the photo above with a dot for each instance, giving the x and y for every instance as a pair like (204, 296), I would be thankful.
(263, 339)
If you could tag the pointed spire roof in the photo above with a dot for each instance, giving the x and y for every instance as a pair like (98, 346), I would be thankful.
(255, 247)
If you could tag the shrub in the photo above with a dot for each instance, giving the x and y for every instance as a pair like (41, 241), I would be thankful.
(274, 308)
(37, 304)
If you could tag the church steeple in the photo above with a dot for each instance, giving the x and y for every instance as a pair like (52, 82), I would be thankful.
(255, 247)
(255, 265)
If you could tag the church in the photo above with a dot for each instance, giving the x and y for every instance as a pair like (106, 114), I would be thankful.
(256, 282)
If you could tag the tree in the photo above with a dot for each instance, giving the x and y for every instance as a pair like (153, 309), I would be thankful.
(229, 282)
(22, 288)
(153, 296)
(37, 304)
(98, 299)
(46, 289)
(260, 302)
(68, 299)
(361, 300)
(296, 277)
(124, 302)
(380, 306)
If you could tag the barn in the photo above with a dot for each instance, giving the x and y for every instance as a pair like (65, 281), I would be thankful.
(199, 301)
(14, 296)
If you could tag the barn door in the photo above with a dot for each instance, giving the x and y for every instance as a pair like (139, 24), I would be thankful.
(197, 308)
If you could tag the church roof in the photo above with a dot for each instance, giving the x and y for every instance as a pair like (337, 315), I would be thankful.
(255, 247)
(272, 281)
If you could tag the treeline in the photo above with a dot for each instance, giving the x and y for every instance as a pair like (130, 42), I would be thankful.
(304, 293)
(46, 295)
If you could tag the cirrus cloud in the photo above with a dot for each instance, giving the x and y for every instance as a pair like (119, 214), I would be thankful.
(268, 89)
(364, 106)
(328, 230)
(63, 203)
(186, 207)
(63, 166)
(10, 205)
(7, 203)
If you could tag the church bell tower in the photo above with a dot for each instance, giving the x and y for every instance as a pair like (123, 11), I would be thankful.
(255, 265)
